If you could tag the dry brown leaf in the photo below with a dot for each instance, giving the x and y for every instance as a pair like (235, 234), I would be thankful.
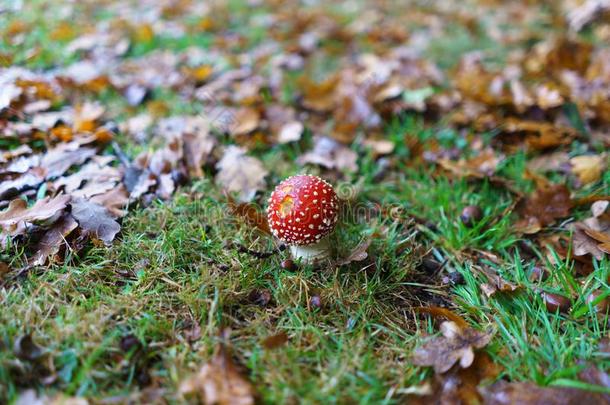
(52, 240)
(358, 254)
(250, 213)
(543, 207)
(549, 162)
(275, 341)
(114, 201)
(18, 216)
(95, 220)
(592, 236)
(444, 313)
(458, 385)
(455, 344)
(198, 145)
(245, 121)
(588, 168)
(482, 165)
(330, 154)
(219, 382)
(240, 173)
(65, 155)
(528, 393)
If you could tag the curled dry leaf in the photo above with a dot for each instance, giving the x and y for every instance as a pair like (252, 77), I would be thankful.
(240, 173)
(219, 382)
(592, 236)
(18, 216)
(456, 344)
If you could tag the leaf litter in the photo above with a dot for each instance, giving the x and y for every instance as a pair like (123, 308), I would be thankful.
(63, 184)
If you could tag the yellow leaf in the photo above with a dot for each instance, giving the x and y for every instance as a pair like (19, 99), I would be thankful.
(588, 168)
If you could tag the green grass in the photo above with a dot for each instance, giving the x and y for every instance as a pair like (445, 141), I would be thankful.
(177, 264)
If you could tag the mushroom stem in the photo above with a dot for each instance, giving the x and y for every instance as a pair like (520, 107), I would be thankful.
(312, 253)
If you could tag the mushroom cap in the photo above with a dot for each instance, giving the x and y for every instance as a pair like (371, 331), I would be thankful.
(302, 210)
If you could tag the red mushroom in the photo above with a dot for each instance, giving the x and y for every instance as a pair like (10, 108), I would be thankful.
(302, 212)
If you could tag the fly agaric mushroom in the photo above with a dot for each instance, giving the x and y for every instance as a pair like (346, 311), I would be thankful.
(302, 212)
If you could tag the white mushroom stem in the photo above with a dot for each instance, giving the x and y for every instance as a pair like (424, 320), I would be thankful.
(312, 253)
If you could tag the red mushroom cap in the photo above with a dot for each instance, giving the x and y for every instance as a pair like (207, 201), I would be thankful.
(302, 210)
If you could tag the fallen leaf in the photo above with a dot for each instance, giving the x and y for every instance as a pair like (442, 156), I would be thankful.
(444, 313)
(588, 168)
(52, 240)
(245, 121)
(482, 165)
(59, 159)
(95, 220)
(592, 235)
(30, 397)
(219, 382)
(275, 341)
(543, 207)
(458, 385)
(18, 216)
(250, 213)
(240, 173)
(358, 254)
(549, 162)
(114, 201)
(526, 393)
(198, 145)
(330, 154)
(495, 284)
(290, 132)
(455, 344)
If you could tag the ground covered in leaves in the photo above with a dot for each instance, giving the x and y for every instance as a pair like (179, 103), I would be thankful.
(467, 141)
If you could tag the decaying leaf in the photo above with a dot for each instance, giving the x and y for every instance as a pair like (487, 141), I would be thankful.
(240, 173)
(456, 344)
(95, 220)
(53, 240)
(18, 216)
(219, 382)
(275, 341)
(592, 236)
(528, 393)
(458, 385)
(543, 207)
(250, 213)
